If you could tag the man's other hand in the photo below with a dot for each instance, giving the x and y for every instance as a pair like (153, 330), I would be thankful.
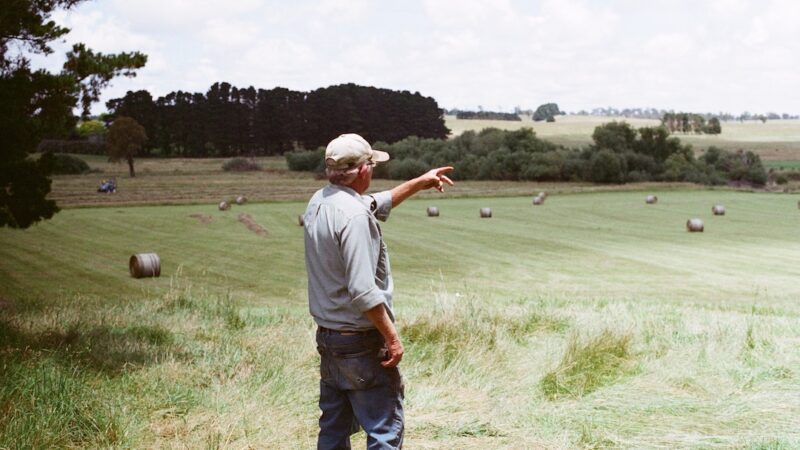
(395, 353)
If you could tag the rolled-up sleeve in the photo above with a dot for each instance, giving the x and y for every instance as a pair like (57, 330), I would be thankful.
(382, 205)
(360, 260)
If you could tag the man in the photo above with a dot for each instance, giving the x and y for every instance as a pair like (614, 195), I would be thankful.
(350, 296)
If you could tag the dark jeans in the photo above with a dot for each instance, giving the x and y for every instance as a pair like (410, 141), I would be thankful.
(355, 390)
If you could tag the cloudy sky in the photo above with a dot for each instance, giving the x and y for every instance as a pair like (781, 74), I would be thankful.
(692, 55)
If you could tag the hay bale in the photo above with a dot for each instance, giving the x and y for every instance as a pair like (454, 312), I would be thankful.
(433, 211)
(486, 213)
(651, 199)
(718, 210)
(145, 265)
(300, 220)
(224, 206)
(538, 200)
(694, 225)
(241, 200)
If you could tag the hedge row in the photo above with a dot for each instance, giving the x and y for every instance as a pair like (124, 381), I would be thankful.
(619, 154)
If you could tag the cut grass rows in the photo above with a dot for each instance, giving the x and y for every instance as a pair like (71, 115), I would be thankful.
(594, 320)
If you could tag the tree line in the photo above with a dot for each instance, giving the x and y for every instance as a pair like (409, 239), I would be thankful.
(654, 113)
(487, 115)
(547, 112)
(690, 123)
(619, 154)
(230, 121)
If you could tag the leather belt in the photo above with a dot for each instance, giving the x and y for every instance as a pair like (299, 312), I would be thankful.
(322, 329)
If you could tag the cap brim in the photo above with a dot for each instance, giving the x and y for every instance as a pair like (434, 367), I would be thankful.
(379, 156)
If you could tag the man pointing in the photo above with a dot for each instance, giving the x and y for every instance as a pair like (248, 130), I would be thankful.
(350, 296)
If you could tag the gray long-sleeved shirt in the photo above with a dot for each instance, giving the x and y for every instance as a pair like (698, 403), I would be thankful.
(346, 258)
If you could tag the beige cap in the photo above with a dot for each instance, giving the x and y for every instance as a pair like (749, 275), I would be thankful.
(349, 150)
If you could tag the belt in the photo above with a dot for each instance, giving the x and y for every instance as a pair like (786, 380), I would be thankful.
(322, 329)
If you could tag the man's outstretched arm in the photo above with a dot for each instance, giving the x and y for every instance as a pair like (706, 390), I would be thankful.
(434, 178)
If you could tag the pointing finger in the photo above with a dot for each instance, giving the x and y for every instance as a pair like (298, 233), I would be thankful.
(442, 170)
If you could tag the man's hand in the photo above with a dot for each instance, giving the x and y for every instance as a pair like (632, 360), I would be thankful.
(436, 178)
(395, 353)
(380, 319)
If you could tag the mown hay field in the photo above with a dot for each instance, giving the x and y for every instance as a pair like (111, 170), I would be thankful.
(177, 181)
(772, 140)
(594, 320)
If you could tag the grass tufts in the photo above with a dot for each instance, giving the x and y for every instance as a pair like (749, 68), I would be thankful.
(589, 438)
(456, 328)
(772, 445)
(585, 367)
(46, 405)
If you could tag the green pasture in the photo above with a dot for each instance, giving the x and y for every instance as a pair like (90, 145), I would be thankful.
(782, 165)
(592, 321)
(588, 244)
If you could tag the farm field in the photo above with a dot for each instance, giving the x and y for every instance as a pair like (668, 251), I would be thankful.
(773, 140)
(178, 181)
(202, 181)
(592, 321)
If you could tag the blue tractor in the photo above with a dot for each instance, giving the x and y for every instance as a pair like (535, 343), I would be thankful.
(108, 186)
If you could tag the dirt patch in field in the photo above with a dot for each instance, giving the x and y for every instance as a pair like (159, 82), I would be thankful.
(252, 225)
(202, 218)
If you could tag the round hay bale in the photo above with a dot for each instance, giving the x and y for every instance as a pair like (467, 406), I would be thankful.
(718, 210)
(300, 220)
(651, 199)
(538, 200)
(433, 211)
(224, 206)
(486, 213)
(241, 200)
(694, 225)
(144, 265)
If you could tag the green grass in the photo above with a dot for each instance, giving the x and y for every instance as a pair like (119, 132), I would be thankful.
(783, 165)
(594, 320)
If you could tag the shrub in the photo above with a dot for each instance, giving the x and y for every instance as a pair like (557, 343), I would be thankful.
(680, 168)
(306, 160)
(544, 167)
(83, 147)
(406, 169)
(61, 164)
(91, 127)
(607, 167)
(635, 176)
(240, 165)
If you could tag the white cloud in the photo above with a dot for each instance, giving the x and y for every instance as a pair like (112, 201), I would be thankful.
(230, 33)
(683, 54)
(470, 13)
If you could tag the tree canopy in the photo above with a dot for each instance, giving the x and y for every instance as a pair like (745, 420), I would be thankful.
(125, 140)
(547, 112)
(230, 121)
(37, 104)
